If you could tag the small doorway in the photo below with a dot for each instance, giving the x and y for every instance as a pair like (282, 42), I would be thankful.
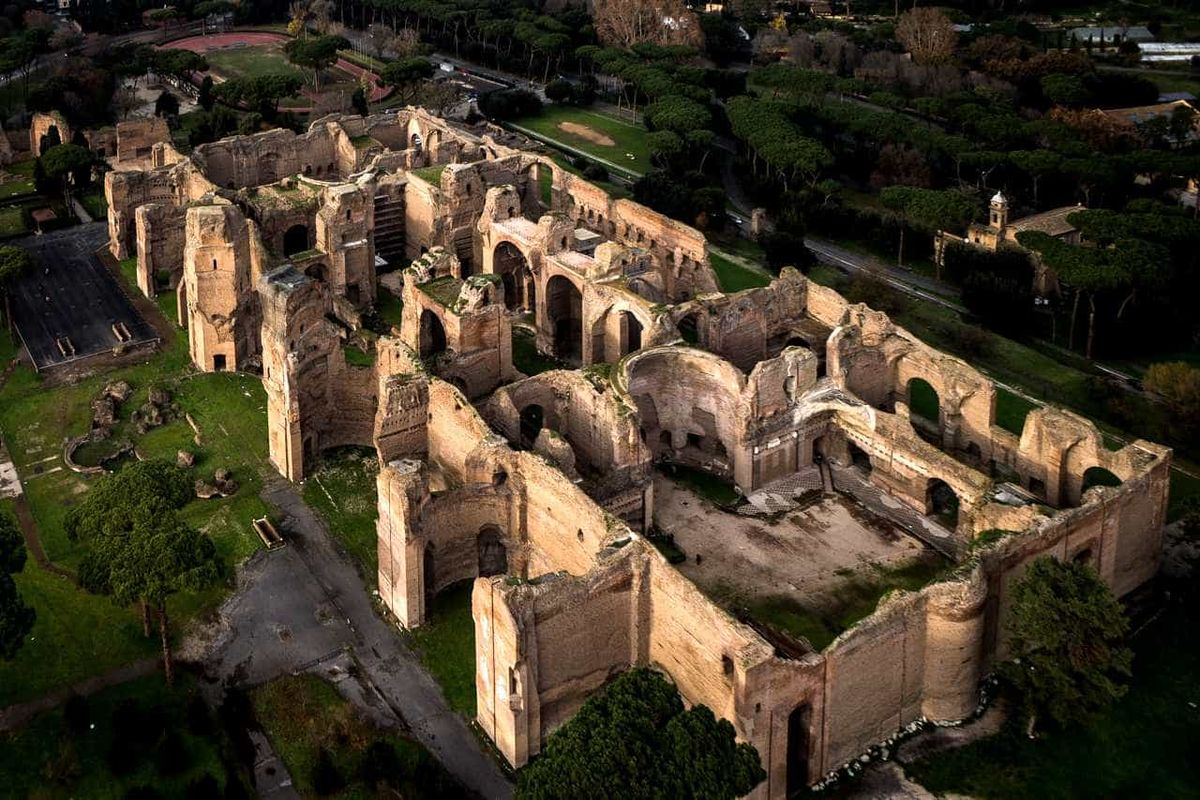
(797, 750)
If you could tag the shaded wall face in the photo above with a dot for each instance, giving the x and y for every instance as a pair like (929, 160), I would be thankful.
(682, 397)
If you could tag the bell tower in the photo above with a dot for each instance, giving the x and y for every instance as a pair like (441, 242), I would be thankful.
(999, 212)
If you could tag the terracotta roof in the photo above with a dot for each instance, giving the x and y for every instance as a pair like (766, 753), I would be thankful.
(1137, 114)
(1053, 222)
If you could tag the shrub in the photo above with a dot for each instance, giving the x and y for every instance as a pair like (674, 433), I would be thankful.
(203, 788)
(326, 779)
(172, 757)
(380, 764)
(77, 714)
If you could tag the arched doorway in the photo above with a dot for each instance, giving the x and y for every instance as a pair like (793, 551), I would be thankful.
(509, 263)
(797, 750)
(564, 307)
(493, 555)
(942, 503)
(631, 333)
(532, 419)
(295, 240)
(433, 335)
(414, 141)
(1098, 476)
(923, 401)
(689, 330)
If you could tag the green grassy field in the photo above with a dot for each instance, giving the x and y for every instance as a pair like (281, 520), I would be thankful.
(446, 643)
(619, 142)
(853, 600)
(78, 635)
(12, 221)
(1144, 746)
(47, 759)
(303, 714)
(251, 62)
(19, 180)
(342, 491)
(733, 277)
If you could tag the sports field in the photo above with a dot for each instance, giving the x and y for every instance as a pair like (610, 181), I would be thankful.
(621, 143)
(254, 53)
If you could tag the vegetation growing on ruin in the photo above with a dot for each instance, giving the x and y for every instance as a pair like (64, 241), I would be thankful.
(342, 490)
(732, 277)
(718, 491)
(853, 599)
(358, 358)
(431, 175)
(446, 642)
(525, 355)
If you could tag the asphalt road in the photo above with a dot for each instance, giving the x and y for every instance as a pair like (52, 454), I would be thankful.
(70, 294)
(304, 606)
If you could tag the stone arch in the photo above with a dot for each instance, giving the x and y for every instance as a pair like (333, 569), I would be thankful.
(533, 419)
(295, 240)
(1098, 476)
(433, 334)
(564, 312)
(689, 327)
(510, 263)
(692, 396)
(415, 141)
(492, 554)
(924, 404)
(941, 502)
(616, 333)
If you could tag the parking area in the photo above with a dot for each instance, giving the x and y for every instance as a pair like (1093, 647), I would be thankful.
(69, 306)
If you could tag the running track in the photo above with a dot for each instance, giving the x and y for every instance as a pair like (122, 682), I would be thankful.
(218, 41)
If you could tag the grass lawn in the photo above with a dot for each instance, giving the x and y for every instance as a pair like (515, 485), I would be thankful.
(389, 307)
(303, 714)
(253, 61)
(95, 204)
(718, 491)
(342, 491)
(854, 599)
(446, 643)
(47, 759)
(733, 277)
(431, 175)
(12, 221)
(78, 634)
(1144, 746)
(615, 191)
(610, 138)
(19, 180)
(526, 357)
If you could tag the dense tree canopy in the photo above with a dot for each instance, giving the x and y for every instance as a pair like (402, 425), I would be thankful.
(635, 740)
(317, 53)
(1068, 638)
(16, 618)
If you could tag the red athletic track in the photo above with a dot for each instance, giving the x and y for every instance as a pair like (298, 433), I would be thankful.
(217, 41)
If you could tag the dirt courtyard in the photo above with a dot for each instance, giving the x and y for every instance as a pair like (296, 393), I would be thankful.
(584, 132)
(803, 555)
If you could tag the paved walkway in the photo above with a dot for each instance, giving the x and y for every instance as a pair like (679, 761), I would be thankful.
(303, 607)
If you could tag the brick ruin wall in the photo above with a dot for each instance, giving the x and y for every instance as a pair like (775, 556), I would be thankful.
(534, 669)
(795, 371)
